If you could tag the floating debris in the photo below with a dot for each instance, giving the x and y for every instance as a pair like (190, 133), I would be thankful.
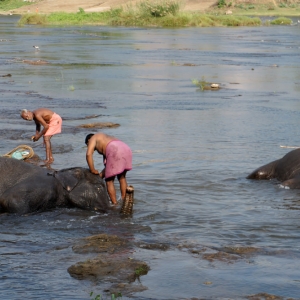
(35, 62)
(99, 125)
(214, 86)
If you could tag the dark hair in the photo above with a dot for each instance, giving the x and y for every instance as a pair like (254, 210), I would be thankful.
(88, 137)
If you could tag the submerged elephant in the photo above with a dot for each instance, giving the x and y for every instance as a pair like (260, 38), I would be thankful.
(26, 188)
(285, 169)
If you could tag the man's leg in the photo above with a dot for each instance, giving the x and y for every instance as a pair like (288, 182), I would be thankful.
(123, 184)
(49, 157)
(111, 189)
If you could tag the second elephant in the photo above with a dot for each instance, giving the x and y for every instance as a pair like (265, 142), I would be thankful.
(285, 169)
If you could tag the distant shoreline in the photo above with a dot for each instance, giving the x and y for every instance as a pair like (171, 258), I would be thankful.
(144, 15)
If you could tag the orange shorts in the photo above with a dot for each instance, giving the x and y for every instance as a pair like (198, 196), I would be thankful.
(54, 125)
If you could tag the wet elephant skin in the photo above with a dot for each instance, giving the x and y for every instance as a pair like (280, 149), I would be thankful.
(26, 188)
(285, 169)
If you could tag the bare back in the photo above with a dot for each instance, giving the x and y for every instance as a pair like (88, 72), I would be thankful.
(99, 142)
(42, 115)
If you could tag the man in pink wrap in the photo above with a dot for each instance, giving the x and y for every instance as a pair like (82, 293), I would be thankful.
(117, 158)
(51, 122)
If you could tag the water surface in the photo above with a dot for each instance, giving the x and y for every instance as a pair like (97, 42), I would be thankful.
(192, 151)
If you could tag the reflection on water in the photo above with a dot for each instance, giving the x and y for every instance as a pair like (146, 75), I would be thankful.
(192, 152)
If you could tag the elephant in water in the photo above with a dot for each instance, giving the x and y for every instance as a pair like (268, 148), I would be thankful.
(285, 169)
(26, 188)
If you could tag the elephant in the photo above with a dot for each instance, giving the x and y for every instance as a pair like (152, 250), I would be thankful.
(27, 188)
(285, 169)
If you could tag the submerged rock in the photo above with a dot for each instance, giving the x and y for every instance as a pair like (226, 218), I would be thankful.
(99, 125)
(113, 265)
(100, 243)
(110, 269)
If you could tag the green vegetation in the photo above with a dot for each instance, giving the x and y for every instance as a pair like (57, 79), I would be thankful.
(284, 8)
(142, 270)
(221, 3)
(161, 13)
(160, 8)
(97, 297)
(200, 83)
(282, 21)
(33, 19)
(113, 296)
(7, 5)
(205, 85)
(79, 18)
(119, 17)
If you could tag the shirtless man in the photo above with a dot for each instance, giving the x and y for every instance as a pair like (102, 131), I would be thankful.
(52, 125)
(117, 158)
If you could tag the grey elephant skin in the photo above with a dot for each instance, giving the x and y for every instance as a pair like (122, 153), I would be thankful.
(26, 188)
(285, 169)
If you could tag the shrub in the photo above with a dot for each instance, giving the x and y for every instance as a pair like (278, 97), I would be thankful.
(282, 21)
(12, 4)
(159, 8)
(240, 6)
(33, 19)
(221, 3)
(282, 5)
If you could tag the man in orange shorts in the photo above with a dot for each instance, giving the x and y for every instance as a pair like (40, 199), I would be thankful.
(51, 122)
(117, 158)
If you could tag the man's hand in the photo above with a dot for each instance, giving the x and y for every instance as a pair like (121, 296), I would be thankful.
(94, 172)
(35, 138)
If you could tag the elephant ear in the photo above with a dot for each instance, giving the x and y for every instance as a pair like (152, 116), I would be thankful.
(67, 179)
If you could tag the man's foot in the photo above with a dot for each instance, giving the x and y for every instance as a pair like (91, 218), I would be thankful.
(114, 207)
(49, 161)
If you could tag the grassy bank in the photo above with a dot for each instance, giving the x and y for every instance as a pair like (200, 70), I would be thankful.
(269, 9)
(7, 5)
(114, 18)
(162, 13)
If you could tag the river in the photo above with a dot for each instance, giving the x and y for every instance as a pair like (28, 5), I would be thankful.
(192, 151)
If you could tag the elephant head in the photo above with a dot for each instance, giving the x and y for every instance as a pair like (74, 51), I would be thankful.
(286, 170)
(83, 189)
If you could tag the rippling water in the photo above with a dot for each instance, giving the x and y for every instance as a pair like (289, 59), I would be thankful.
(192, 151)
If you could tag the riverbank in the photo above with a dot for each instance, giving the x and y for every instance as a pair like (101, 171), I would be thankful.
(72, 6)
(161, 13)
(220, 7)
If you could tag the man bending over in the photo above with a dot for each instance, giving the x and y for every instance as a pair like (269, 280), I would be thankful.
(117, 159)
(51, 123)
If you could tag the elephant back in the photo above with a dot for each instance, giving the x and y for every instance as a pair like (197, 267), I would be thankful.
(288, 166)
(14, 171)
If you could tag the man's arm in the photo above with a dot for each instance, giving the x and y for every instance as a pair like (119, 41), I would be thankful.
(89, 156)
(40, 121)
(37, 127)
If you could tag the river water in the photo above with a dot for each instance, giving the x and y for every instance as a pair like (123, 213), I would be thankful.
(192, 151)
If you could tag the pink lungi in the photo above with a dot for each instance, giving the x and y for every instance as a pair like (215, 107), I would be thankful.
(54, 125)
(118, 158)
